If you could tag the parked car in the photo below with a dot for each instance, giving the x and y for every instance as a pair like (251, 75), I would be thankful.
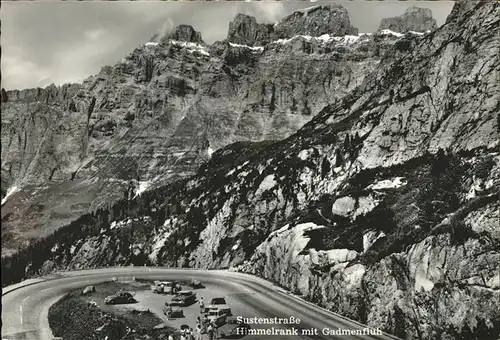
(184, 298)
(88, 290)
(220, 303)
(195, 284)
(118, 298)
(175, 311)
(165, 287)
(217, 316)
(233, 329)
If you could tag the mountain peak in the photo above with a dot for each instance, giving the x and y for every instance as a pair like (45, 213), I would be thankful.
(245, 30)
(413, 19)
(313, 21)
(184, 33)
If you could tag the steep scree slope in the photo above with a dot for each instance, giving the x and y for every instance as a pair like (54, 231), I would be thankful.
(383, 208)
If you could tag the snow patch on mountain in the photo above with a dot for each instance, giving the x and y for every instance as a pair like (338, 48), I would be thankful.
(279, 231)
(370, 238)
(253, 48)
(119, 224)
(325, 39)
(10, 192)
(268, 183)
(389, 32)
(143, 186)
(393, 183)
(210, 151)
(128, 222)
(192, 47)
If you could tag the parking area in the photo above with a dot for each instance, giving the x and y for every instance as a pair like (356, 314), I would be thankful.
(154, 302)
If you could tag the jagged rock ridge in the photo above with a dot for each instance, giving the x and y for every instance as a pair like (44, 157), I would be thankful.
(413, 19)
(245, 30)
(184, 33)
(314, 21)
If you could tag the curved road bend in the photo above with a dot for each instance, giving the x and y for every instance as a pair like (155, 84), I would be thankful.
(25, 306)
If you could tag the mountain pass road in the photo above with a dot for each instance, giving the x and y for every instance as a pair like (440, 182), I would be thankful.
(25, 306)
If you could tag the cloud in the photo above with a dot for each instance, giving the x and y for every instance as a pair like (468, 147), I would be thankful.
(17, 72)
(86, 52)
(167, 27)
(270, 11)
(69, 41)
(94, 34)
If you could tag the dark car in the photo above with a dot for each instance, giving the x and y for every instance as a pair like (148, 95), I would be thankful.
(218, 301)
(118, 298)
(195, 284)
(184, 298)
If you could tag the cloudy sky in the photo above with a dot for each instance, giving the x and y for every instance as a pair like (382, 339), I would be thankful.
(46, 42)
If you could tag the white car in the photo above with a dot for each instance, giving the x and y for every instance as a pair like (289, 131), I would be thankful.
(164, 287)
(220, 304)
(217, 316)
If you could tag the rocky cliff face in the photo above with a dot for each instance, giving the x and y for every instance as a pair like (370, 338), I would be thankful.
(184, 33)
(414, 19)
(160, 112)
(245, 30)
(313, 21)
(383, 207)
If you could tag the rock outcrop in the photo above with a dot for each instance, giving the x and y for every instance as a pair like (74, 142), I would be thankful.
(413, 19)
(314, 22)
(245, 30)
(184, 33)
